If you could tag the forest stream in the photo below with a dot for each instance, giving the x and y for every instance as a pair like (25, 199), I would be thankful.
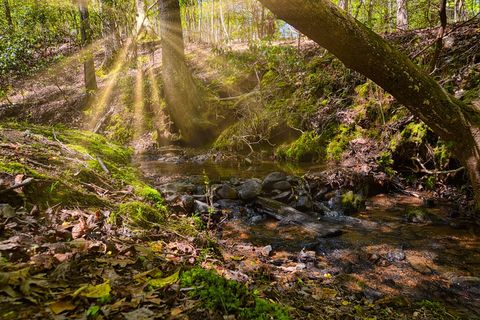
(396, 246)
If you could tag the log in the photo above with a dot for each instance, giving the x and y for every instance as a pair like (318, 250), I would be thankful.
(287, 214)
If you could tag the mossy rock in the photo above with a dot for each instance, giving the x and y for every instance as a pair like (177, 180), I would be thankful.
(352, 202)
(306, 148)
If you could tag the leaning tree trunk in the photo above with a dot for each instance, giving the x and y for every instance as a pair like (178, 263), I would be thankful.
(361, 49)
(86, 38)
(181, 94)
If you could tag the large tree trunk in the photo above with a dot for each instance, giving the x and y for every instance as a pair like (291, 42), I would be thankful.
(86, 38)
(402, 15)
(181, 94)
(361, 49)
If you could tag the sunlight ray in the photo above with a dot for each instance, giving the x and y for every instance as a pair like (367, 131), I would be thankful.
(160, 120)
(139, 124)
(98, 106)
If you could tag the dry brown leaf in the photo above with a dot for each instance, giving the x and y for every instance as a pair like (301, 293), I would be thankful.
(62, 306)
(80, 229)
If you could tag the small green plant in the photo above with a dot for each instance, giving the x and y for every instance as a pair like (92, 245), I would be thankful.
(386, 162)
(352, 202)
(229, 297)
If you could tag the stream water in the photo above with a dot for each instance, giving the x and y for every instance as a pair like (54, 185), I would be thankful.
(438, 260)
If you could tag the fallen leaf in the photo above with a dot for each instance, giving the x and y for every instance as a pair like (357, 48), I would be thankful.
(80, 229)
(162, 282)
(139, 314)
(116, 262)
(62, 306)
(175, 312)
(95, 292)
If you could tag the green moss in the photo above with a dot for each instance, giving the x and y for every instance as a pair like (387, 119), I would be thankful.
(229, 297)
(306, 148)
(118, 130)
(338, 144)
(415, 132)
(352, 202)
(141, 214)
(13, 168)
(417, 214)
(47, 193)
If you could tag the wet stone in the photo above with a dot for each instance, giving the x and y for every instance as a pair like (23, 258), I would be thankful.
(272, 178)
(226, 192)
(397, 255)
(282, 185)
(283, 196)
(250, 189)
(257, 219)
(6, 211)
(303, 203)
(188, 203)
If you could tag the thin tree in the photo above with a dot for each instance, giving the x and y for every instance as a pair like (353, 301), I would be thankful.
(86, 42)
(440, 34)
(343, 4)
(402, 15)
(361, 49)
(8, 15)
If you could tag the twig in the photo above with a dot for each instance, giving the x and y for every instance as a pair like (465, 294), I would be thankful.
(18, 185)
(46, 166)
(104, 167)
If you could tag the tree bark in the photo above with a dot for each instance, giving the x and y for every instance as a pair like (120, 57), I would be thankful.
(402, 15)
(86, 41)
(343, 4)
(361, 49)
(181, 94)
(440, 34)
(8, 15)
(459, 10)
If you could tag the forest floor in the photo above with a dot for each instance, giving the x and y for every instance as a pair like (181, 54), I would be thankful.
(84, 237)
(86, 234)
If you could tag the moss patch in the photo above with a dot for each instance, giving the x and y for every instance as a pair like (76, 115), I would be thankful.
(227, 297)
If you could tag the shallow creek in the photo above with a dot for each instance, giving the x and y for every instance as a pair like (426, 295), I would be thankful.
(387, 255)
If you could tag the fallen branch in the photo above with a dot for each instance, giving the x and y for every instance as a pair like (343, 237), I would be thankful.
(17, 185)
(104, 167)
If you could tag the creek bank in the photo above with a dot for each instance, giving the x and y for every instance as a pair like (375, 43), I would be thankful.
(338, 228)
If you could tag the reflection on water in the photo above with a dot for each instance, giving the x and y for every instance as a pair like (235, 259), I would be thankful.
(224, 170)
